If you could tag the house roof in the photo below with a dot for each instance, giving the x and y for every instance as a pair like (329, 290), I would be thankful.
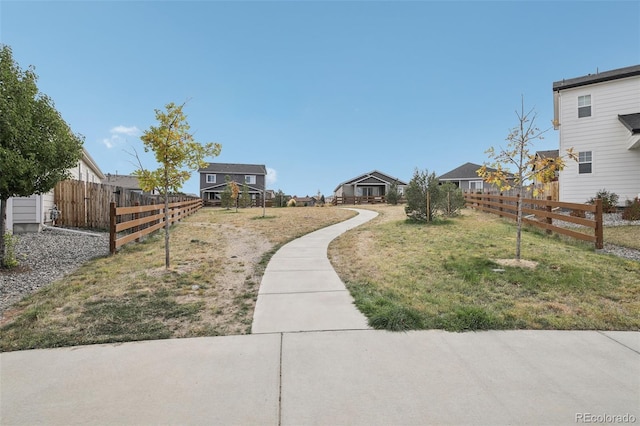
(86, 157)
(372, 177)
(549, 153)
(124, 181)
(598, 77)
(631, 122)
(238, 169)
(466, 171)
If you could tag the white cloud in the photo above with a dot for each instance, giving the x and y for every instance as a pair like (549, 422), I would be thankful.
(124, 130)
(118, 135)
(272, 176)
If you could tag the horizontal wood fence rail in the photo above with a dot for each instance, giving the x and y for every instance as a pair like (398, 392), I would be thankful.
(374, 199)
(144, 220)
(506, 206)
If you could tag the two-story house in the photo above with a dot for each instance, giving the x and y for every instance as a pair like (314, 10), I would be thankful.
(213, 179)
(598, 115)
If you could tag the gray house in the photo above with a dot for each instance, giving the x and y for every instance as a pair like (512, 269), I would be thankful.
(368, 187)
(466, 178)
(212, 179)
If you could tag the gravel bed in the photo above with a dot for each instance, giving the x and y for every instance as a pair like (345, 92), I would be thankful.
(46, 257)
(608, 219)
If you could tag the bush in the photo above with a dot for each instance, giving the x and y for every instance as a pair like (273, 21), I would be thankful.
(451, 199)
(632, 210)
(291, 203)
(9, 260)
(609, 200)
(416, 194)
(393, 196)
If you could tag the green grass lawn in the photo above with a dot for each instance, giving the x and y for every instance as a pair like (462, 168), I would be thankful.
(445, 276)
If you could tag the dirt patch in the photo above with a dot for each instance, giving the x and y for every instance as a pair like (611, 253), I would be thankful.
(518, 263)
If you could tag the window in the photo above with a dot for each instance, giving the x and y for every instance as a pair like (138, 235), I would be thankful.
(475, 185)
(250, 179)
(584, 162)
(211, 178)
(584, 106)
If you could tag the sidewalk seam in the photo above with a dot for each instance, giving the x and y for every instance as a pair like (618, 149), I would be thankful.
(280, 383)
(617, 341)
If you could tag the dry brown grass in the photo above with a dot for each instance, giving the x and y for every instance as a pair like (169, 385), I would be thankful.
(217, 257)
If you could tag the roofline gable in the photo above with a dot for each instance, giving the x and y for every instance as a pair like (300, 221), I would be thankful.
(598, 77)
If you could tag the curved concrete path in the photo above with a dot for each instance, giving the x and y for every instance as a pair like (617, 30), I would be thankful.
(300, 290)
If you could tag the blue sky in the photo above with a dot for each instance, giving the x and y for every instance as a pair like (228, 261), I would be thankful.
(319, 92)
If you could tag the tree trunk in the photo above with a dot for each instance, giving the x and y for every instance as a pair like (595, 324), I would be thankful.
(166, 230)
(519, 227)
(3, 229)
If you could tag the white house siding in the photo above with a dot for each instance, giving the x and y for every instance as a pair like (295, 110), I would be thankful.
(615, 167)
(28, 214)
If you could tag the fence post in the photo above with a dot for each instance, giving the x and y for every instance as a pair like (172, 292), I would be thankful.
(136, 216)
(599, 230)
(112, 228)
(548, 208)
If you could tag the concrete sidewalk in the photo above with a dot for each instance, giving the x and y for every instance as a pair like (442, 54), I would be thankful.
(360, 377)
(300, 290)
(355, 376)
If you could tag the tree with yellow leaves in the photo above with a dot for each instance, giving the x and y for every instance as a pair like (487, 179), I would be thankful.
(518, 156)
(177, 153)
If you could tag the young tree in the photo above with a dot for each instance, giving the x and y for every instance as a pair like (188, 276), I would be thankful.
(421, 207)
(393, 196)
(245, 197)
(517, 155)
(226, 194)
(37, 147)
(235, 191)
(177, 153)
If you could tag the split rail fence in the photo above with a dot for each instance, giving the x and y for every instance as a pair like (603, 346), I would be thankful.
(128, 224)
(506, 206)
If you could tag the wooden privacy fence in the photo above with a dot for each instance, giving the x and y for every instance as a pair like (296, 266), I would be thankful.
(506, 206)
(86, 204)
(132, 223)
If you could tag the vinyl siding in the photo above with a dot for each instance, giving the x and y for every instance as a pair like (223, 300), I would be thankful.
(614, 167)
(25, 209)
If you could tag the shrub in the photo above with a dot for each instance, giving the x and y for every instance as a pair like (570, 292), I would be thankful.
(632, 210)
(609, 200)
(9, 260)
(393, 196)
(291, 203)
(416, 194)
(451, 199)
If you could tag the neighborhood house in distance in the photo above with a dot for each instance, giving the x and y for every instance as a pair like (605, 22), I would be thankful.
(466, 178)
(598, 115)
(370, 187)
(212, 179)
